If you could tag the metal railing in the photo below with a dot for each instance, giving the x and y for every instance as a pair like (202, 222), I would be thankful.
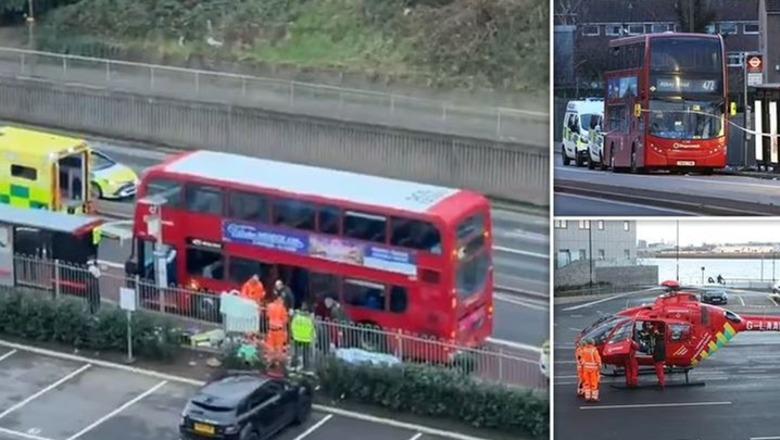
(199, 312)
(500, 123)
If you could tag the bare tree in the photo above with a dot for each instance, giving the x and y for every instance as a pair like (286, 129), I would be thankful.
(568, 12)
(694, 15)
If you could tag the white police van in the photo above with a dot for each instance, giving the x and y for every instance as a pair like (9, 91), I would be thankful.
(580, 118)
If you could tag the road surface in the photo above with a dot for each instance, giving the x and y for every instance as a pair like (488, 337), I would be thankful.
(570, 205)
(526, 127)
(50, 398)
(738, 402)
(520, 256)
(700, 194)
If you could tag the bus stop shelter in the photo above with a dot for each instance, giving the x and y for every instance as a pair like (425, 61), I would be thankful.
(765, 103)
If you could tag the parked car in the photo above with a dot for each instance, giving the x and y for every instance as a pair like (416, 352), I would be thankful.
(714, 295)
(544, 359)
(111, 180)
(245, 406)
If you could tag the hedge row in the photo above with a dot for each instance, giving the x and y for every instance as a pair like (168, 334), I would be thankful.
(68, 321)
(437, 392)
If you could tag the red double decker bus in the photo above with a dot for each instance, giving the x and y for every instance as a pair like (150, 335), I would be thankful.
(665, 105)
(396, 254)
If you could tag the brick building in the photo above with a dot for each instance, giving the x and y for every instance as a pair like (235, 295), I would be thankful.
(595, 22)
(769, 22)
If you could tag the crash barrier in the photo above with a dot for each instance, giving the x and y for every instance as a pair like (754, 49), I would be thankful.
(514, 171)
(733, 283)
(201, 315)
(347, 104)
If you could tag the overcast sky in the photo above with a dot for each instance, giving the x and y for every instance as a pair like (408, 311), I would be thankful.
(696, 232)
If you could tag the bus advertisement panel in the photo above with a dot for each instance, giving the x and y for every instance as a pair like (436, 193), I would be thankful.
(666, 103)
(397, 255)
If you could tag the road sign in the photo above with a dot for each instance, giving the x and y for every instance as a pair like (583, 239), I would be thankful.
(127, 299)
(754, 69)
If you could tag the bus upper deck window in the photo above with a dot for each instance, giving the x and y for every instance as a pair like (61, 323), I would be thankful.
(169, 189)
(416, 234)
(365, 226)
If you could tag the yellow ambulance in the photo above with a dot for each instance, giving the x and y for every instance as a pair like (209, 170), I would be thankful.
(44, 171)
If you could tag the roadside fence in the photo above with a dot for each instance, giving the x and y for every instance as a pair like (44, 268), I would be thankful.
(199, 315)
(499, 123)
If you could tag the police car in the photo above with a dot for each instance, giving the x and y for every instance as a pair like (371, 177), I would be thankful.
(580, 118)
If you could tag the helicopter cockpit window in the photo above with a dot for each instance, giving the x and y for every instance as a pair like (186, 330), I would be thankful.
(733, 317)
(622, 333)
(679, 332)
(600, 333)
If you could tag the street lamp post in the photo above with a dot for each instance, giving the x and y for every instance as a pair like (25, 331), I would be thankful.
(590, 252)
(702, 275)
(30, 24)
(678, 252)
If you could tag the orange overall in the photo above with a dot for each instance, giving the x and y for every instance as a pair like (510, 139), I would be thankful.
(580, 379)
(254, 290)
(591, 371)
(276, 340)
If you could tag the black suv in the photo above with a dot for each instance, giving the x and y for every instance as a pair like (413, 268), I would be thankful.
(714, 295)
(244, 407)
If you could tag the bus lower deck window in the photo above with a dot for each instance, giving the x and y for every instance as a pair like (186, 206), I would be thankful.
(206, 264)
(364, 294)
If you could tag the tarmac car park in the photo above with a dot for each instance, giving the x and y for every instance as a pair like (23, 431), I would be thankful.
(51, 396)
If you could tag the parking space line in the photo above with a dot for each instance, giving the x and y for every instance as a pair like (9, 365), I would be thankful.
(314, 427)
(655, 405)
(7, 355)
(416, 436)
(21, 434)
(198, 383)
(765, 438)
(113, 413)
(45, 390)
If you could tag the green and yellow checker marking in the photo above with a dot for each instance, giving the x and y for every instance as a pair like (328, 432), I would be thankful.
(721, 338)
(24, 196)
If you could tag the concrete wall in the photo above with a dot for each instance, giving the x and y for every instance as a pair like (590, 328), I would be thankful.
(511, 171)
(610, 241)
(578, 274)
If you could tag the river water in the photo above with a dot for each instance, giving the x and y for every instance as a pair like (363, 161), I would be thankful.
(690, 268)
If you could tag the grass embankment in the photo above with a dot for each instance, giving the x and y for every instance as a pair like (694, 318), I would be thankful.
(499, 44)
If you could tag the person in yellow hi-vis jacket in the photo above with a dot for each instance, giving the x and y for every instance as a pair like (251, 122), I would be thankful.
(303, 335)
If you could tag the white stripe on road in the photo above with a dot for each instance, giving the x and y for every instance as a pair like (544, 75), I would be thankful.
(765, 438)
(113, 413)
(45, 390)
(515, 345)
(7, 355)
(741, 300)
(416, 436)
(186, 380)
(520, 252)
(773, 300)
(610, 298)
(519, 302)
(314, 427)
(654, 405)
(21, 434)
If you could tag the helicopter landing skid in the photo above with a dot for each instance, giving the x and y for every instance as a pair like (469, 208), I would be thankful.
(688, 383)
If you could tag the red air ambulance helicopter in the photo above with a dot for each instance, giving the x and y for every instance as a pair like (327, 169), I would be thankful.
(693, 331)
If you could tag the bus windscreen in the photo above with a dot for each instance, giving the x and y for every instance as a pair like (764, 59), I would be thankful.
(686, 55)
(474, 258)
(686, 119)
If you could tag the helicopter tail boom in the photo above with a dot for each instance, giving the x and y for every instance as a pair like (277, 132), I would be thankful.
(759, 324)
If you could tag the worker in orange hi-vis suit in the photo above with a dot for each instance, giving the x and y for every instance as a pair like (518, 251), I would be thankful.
(580, 376)
(591, 370)
(253, 289)
(277, 338)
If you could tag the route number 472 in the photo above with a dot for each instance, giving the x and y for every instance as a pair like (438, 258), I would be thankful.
(708, 85)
